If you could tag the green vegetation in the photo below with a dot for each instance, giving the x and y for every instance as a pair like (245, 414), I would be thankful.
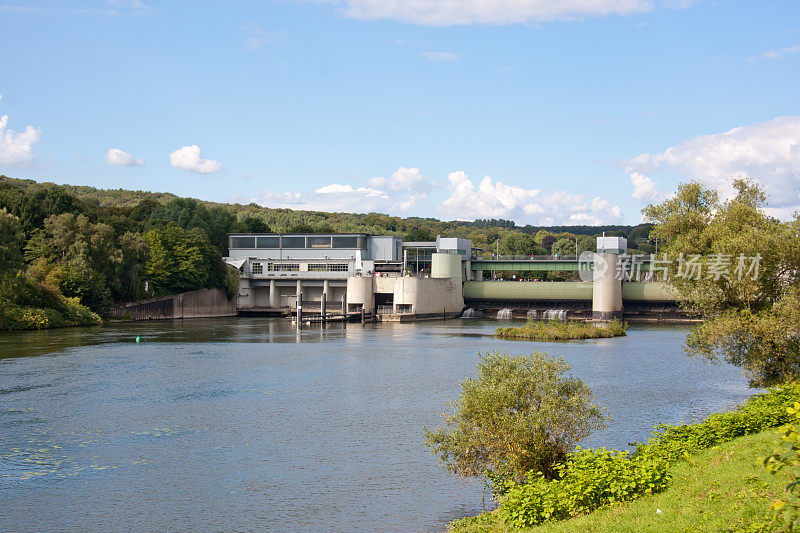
(724, 488)
(522, 413)
(595, 479)
(559, 330)
(787, 460)
(750, 307)
(65, 260)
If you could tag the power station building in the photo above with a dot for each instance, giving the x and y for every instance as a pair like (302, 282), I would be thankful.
(356, 270)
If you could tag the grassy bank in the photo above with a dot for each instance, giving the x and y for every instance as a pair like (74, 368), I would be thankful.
(724, 488)
(560, 330)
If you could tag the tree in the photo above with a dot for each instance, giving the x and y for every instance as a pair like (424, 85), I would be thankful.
(563, 246)
(182, 260)
(517, 243)
(418, 235)
(11, 239)
(521, 414)
(548, 241)
(749, 306)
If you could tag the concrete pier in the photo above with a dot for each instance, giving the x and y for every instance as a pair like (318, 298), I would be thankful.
(606, 288)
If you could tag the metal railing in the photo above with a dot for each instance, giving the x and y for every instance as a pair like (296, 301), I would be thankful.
(385, 310)
(503, 257)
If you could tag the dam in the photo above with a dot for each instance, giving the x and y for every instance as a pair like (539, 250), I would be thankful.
(384, 277)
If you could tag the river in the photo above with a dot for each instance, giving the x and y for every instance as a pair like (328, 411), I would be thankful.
(247, 424)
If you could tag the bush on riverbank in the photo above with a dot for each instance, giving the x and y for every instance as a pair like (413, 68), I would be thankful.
(723, 488)
(555, 330)
(522, 413)
(26, 303)
(592, 479)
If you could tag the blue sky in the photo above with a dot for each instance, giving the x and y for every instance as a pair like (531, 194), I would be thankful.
(534, 110)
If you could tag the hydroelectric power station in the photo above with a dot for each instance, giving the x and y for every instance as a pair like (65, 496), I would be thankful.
(384, 278)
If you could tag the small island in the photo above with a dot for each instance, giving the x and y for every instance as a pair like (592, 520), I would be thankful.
(562, 330)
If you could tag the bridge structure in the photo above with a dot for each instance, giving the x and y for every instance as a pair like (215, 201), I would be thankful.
(625, 284)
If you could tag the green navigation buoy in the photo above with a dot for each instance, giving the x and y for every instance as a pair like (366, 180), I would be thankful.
(137, 338)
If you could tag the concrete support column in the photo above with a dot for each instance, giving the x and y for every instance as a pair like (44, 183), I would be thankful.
(479, 275)
(606, 288)
(274, 299)
(299, 292)
(325, 287)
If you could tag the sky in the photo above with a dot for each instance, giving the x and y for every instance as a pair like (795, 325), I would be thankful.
(540, 111)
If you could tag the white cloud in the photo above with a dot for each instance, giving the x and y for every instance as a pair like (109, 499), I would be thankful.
(441, 56)
(775, 54)
(189, 158)
(449, 12)
(494, 199)
(397, 193)
(768, 152)
(17, 148)
(115, 156)
(255, 37)
(644, 188)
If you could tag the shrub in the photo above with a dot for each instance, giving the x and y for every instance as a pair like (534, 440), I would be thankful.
(760, 412)
(590, 479)
(522, 413)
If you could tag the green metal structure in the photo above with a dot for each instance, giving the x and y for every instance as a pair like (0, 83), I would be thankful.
(562, 291)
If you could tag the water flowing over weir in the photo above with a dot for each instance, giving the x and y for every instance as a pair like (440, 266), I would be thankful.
(532, 314)
(469, 313)
(554, 314)
(505, 314)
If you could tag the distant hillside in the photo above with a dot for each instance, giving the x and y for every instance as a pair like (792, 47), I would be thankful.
(282, 220)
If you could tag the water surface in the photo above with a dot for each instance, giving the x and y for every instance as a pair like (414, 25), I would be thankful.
(247, 424)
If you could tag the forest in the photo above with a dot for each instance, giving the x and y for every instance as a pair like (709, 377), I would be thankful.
(69, 253)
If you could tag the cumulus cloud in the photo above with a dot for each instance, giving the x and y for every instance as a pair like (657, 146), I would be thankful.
(644, 188)
(768, 152)
(17, 148)
(117, 157)
(445, 13)
(398, 193)
(441, 56)
(494, 199)
(189, 158)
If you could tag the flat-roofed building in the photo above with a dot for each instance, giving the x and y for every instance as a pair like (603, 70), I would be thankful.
(277, 267)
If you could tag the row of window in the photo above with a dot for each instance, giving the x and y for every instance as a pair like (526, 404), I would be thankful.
(258, 268)
(328, 267)
(276, 242)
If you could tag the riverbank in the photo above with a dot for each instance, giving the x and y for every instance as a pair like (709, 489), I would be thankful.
(725, 488)
(555, 330)
(66, 312)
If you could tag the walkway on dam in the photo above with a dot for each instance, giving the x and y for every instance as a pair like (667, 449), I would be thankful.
(551, 263)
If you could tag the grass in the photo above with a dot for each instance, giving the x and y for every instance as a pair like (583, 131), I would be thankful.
(724, 488)
(559, 330)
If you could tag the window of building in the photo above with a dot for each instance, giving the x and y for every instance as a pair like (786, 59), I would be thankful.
(284, 267)
(345, 242)
(318, 242)
(243, 242)
(294, 242)
(257, 268)
(328, 267)
(404, 308)
(268, 242)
